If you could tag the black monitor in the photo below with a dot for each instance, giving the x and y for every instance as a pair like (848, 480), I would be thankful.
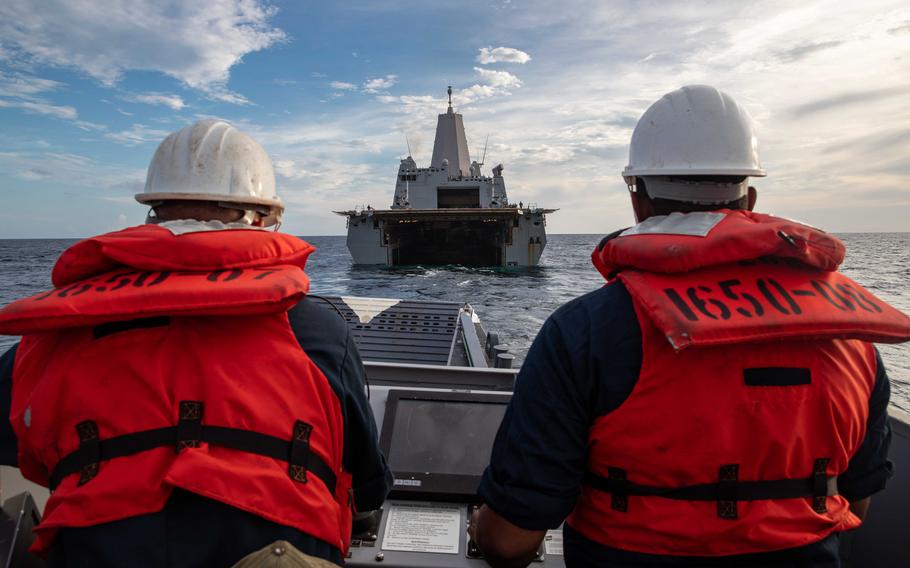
(438, 443)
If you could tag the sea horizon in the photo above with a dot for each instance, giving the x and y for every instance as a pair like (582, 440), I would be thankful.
(606, 232)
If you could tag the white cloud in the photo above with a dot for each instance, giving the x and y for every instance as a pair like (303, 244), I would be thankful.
(90, 126)
(498, 79)
(289, 169)
(194, 42)
(60, 111)
(378, 84)
(502, 55)
(138, 134)
(22, 85)
(374, 85)
(172, 101)
(474, 93)
(224, 95)
(825, 86)
(342, 86)
(69, 170)
(415, 105)
(20, 90)
(497, 84)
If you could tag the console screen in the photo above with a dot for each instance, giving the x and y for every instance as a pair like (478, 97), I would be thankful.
(444, 437)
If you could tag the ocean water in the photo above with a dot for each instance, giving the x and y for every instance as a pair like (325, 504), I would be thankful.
(513, 303)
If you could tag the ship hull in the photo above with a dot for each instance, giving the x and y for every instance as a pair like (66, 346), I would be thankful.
(476, 237)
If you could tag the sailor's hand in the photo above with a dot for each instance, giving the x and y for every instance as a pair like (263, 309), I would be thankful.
(472, 524)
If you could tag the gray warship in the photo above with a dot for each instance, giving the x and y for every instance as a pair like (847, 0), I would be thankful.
(448, 213)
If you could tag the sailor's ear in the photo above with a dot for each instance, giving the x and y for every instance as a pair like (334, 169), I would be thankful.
(641, 205)
(753, 196)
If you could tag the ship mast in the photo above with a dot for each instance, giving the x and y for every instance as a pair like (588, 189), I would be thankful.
(451, 145)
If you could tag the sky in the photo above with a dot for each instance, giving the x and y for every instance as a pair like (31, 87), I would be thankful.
(334, 91)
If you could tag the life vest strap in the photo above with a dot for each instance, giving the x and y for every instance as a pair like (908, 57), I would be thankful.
(190, 433)
(726, 492)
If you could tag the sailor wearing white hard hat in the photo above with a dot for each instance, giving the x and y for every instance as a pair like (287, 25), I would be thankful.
(213, 162)
(203, 406)
(688, 402)
(696, 146)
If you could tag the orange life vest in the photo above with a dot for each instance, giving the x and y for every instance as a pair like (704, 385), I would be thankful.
(135, 375)
(753, 392)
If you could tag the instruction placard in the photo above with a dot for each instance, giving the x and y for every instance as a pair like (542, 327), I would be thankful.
(553, 542)
(423, 527)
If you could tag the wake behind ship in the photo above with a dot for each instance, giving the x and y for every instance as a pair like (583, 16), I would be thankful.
(448, 213)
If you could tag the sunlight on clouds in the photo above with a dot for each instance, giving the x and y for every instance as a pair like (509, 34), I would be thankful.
(414, 104)
(498, 79)
(173, 102)
(288, 169)
(342, 86)
(71, 170)
(138, 134)
(425, 107)
(21, 91)
(379, 84)
(24, 85)
(60, 111)
(827, 86)
(488, 55)
(196, 43)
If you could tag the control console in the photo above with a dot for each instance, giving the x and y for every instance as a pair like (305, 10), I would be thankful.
(438, 443)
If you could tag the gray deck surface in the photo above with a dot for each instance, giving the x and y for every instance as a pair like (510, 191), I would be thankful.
(408, 332)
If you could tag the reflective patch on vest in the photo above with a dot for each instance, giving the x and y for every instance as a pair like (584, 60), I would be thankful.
(697, 224)
(183, 226)
(776, 377)
(27, 417)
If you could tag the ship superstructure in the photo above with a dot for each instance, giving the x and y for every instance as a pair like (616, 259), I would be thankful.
(448, 213)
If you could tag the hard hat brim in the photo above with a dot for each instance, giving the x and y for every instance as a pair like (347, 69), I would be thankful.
(631, 172)
(146, 198)
(276, 207)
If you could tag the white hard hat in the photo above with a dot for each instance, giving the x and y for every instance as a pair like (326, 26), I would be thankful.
(213, 161)
(694, 131)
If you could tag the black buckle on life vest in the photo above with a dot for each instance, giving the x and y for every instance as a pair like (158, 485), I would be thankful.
(300, 451)
(619, 494)
(727, 494)
(189, 424)
(820, 486)
(90, 445)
